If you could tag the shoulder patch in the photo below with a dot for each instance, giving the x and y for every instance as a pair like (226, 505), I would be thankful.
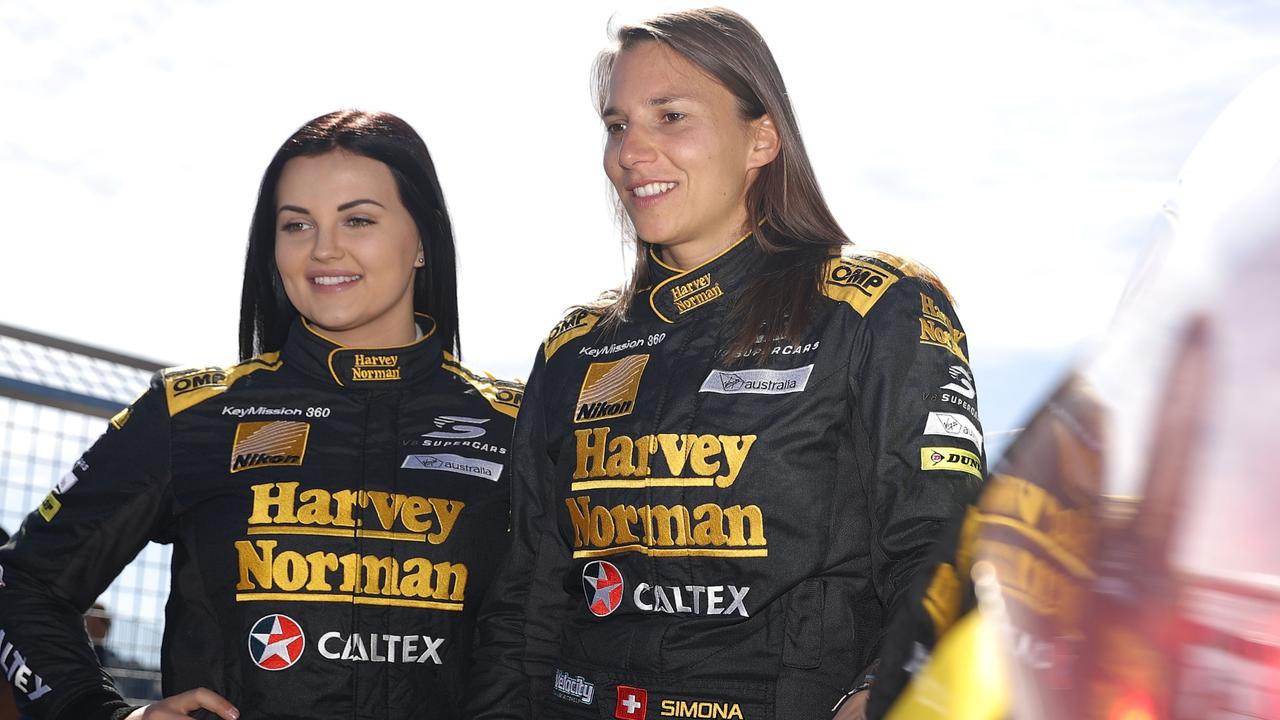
(574, 325)
(503, 395)
(184, 388)
(860, 276)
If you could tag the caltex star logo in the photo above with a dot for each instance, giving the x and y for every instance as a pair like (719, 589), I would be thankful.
(602, 584)
(276, 642)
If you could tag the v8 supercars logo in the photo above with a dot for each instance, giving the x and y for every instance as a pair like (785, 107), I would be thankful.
(276, 642)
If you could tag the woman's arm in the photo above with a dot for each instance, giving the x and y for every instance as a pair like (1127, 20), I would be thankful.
(93, 523)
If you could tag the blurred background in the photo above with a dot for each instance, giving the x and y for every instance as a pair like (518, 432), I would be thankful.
(1020, 149)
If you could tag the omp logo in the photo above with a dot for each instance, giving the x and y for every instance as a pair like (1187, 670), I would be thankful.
(609, 389)
(962, 381)
(953, 425)
(574, 687)
(270, 443)
(14, 668)
(456, 427)
(757, 382)
(276, 642)
(863, 277)
(603, 586)
(946, 458)
(376, 648)
(572, 321)
(376, 367)
(700, 709)
(191, 383)
(693, 293)
(692, 599)
(937, 329)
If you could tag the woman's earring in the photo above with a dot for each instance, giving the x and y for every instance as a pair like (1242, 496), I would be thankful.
(420, 261)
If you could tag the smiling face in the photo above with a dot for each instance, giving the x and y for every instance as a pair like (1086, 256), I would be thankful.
(347, 248)
(679, 153)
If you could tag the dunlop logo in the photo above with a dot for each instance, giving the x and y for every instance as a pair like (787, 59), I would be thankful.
(947, 458)
(273, 443)
(376, 367)
(609, 389)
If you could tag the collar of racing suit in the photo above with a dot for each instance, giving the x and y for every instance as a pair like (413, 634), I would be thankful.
(678, 294)
(369, 368)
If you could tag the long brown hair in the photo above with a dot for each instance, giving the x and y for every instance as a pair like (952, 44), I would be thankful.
(794, 225)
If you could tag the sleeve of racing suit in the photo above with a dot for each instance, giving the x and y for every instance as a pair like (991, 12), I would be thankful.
(519, 628)
(917, 407)
(97, 518)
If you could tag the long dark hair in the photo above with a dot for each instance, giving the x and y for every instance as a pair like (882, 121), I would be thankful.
(265, 310)
(794, 225)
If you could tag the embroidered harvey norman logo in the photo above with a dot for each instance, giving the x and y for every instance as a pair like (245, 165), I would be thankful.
(698, 291)
(757, 382)
(609, 389)
(376, 367)
(271, 443)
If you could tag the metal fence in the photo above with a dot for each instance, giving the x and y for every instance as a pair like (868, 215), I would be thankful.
(54, 398)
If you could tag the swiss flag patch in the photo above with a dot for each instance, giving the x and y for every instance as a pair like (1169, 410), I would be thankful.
(632, 703)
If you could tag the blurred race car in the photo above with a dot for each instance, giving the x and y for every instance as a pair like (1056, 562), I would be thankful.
(1122, 561)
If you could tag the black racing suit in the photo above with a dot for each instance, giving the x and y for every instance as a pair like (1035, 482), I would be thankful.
(336, 516)
(699, 537)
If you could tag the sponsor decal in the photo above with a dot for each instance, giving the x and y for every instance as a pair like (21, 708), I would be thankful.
(49, 507)
(759, 344)
(376, 648)
(14, 667)
(695, 293)
(946, 458)
(700, 709)
(757, 382)
(448, 462)
(859, 283)
(609, 389)
(574, 687)
(650, 341)
(660, 530)
(662, 460)
(575, 324)
(954, 399)
(271, 572)
(276, 642)
(962, 381)
(457, 427)
(262, 410)
(633, 703)
(701, 599)
(953, 425)
(603, 586)
(375, 367)
(197, 381)
(274, 443)
(937, 329)
(71, 478)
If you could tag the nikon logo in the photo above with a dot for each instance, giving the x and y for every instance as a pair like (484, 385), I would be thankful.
(274, 443)
(609, 389)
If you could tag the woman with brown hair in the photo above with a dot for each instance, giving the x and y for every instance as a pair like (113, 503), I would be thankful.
(728, 472)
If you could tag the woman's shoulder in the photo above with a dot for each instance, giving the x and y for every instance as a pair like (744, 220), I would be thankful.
(186, 387)
(503, 395)
(861, 276)
(577, 322)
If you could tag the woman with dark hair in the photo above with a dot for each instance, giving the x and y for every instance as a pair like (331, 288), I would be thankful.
(336, 501)
(728, 472)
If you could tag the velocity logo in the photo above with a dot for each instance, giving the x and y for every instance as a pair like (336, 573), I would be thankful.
(273, 443)
(609, 389)
(276, 642)
(602, 584)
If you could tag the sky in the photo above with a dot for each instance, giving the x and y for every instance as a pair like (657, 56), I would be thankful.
(1021, 149)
